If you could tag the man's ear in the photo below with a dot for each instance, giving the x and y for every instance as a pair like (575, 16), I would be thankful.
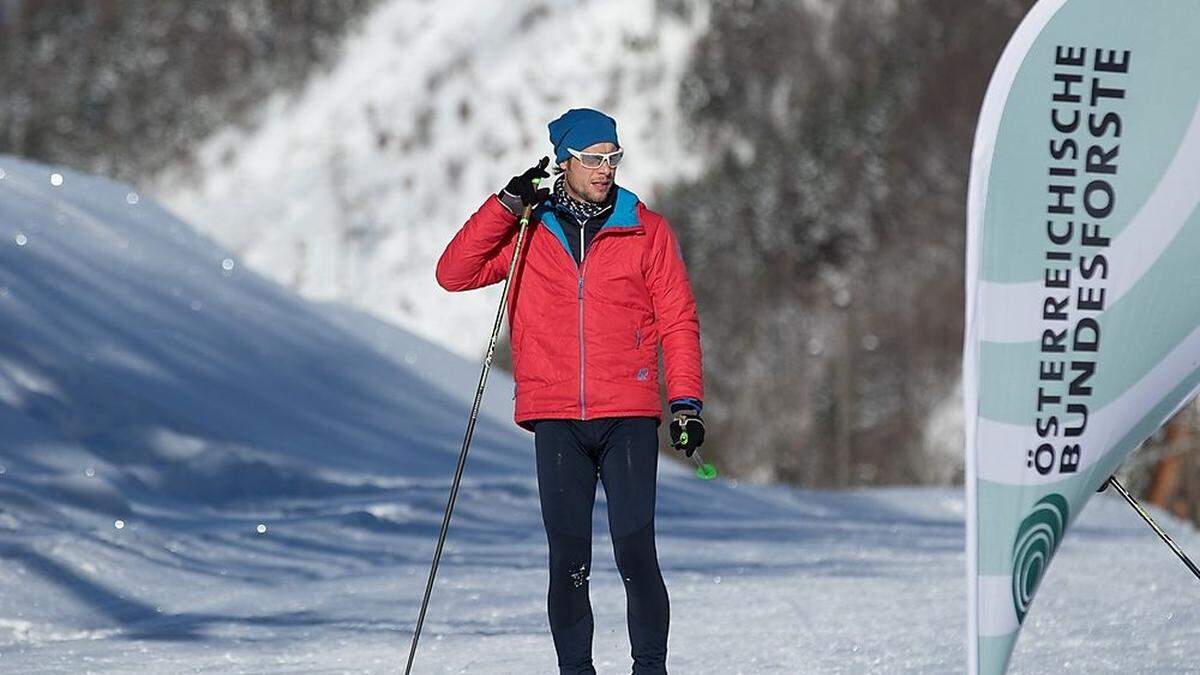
(562, 166)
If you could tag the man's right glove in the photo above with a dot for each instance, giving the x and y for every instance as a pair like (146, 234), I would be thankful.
(687, 432)
(521, 192)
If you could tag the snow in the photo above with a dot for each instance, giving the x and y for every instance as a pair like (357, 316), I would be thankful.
(201, 472)
(350, 189)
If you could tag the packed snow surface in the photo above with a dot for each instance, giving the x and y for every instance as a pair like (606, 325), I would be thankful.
(200, 472)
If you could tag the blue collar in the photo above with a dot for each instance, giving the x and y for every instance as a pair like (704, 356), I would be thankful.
(624, 216)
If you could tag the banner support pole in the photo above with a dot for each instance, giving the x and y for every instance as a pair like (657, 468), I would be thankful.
(1112, 480)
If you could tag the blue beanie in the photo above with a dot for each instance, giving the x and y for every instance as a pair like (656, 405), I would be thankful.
(579, 128)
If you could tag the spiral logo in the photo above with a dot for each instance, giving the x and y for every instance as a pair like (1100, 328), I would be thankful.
(1037, 540)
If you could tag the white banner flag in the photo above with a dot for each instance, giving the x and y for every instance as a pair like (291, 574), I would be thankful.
(1083, 281)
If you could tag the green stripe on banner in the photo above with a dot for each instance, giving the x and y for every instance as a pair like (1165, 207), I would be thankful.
(994, 653)
(1145, 150)
(1002, 507)
(1136, 333)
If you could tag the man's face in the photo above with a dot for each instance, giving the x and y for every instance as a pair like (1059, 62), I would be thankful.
(590, 185)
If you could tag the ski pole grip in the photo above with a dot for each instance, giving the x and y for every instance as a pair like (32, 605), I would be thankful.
(529, 209)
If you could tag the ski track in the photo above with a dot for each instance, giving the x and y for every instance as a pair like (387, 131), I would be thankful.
(869, 581)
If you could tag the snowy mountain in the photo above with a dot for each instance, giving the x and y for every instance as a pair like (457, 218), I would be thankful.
(200, 472)
(350, 189)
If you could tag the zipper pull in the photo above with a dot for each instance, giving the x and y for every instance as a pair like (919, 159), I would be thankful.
(580, 288)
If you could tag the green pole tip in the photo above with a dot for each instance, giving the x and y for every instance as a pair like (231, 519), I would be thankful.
(706, 471)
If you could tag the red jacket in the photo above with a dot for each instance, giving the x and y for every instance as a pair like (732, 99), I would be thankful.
(585, 337)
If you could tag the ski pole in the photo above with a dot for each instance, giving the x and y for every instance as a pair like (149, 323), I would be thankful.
(1150, 521)
(462, 455)
(704, 470)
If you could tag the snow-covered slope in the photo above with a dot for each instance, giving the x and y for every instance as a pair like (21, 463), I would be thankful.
(278, 471)
(350, 189)
(147, 380)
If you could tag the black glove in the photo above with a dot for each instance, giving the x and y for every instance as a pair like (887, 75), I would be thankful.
(687, 431)
(521, 191)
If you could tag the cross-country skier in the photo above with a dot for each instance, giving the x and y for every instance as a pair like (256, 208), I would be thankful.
(600, 285)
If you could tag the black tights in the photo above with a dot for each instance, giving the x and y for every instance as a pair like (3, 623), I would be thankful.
(622, 452)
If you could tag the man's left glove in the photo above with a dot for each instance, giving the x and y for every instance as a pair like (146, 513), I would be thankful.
(687, 431)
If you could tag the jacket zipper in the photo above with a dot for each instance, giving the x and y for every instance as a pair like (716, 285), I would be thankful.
(582, 265)
(582, 269)
(582, 406)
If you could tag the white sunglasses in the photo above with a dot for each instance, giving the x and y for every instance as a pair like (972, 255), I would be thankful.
(594, 160)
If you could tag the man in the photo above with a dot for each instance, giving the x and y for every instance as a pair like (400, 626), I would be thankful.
(599, 285)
